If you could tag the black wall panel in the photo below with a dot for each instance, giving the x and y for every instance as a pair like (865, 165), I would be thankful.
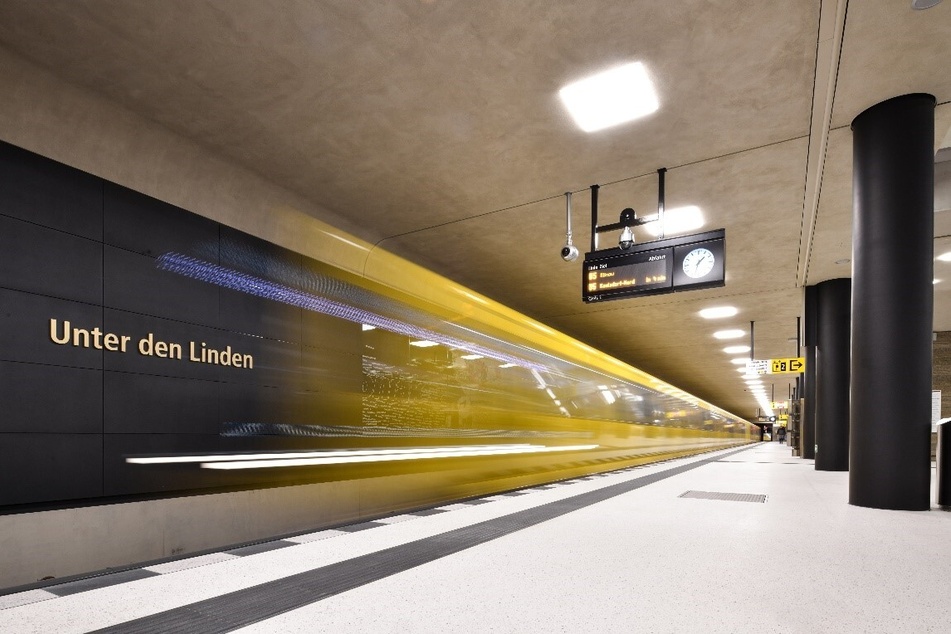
(25, 329)
(144, 404)
(84, 251)
(49, 262)
(134, 283)
(331, 370)
(330, 333)
(48, 193)
(49, 467)
(253, 256)
(135, 222)
(242, 404)
(246, 313)
(49, 399)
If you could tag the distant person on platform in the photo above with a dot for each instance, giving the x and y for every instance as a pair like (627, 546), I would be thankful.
(781, 434)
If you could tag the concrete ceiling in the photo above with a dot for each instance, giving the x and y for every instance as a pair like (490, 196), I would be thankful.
(433, 128)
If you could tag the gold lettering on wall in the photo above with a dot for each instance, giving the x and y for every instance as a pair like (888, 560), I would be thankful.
(64, 333)
(227, 357)
(149, 347)
(81, 338)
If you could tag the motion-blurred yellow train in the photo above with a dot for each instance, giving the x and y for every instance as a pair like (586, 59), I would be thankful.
(450, 386)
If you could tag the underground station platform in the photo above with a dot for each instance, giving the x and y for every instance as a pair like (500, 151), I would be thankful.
(737, 540)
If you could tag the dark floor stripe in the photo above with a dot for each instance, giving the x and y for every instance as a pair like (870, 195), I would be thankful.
(425, 512)
(263, 547)
(238, 609)
(102, 581)
(477, 501)
(362, 526)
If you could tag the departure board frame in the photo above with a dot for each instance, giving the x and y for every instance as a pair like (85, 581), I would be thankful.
(669, 265)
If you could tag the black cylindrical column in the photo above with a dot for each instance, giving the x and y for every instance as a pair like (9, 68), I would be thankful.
(832, 375)
(892, 303)
(943, 471)
(810, 323)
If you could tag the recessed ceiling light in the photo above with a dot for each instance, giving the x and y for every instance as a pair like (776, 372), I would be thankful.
(728, 334)
(615, 96)
(935, 281)
(920, 5)
(718, 312)
(944, 257)
(843, 261)
(736, 349)
(739, 361)
(423, 344)
(471, 357)
(367, 327)
(677, 220)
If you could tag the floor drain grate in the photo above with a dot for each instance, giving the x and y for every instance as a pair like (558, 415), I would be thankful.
(728, 497)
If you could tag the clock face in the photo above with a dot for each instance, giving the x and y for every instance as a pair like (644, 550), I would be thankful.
(698, 263)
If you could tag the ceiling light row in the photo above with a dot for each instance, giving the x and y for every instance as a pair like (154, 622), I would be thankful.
(719, 312)
(753, 381)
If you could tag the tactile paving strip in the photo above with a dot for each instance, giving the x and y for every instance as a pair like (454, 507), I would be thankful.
(263, 547)
(728, 497)
(426, 512)
(243, 607)
(362, 526)
(102, 581)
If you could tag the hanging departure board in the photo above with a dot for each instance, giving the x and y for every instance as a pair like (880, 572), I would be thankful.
(662, 266)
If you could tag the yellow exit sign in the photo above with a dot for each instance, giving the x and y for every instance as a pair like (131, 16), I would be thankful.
(783, 366)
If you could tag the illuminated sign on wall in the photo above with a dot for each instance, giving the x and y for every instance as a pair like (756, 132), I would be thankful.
(650, 268)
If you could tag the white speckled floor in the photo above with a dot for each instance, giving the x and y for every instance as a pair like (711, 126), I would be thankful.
(644, 561)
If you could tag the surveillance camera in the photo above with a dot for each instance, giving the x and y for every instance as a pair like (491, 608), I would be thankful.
(569, 252)
(627, 239)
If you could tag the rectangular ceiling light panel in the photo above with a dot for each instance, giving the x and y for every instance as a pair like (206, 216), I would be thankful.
(612, 97)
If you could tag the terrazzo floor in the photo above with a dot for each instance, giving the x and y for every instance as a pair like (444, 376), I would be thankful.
(646, 560)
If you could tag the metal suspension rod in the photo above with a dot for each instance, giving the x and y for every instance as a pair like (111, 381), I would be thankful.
(660, 199)
(594, 217)
(798, 339)
(568, 216)
(751, 341)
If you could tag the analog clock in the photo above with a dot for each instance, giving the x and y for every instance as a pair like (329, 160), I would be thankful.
(698, 263)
